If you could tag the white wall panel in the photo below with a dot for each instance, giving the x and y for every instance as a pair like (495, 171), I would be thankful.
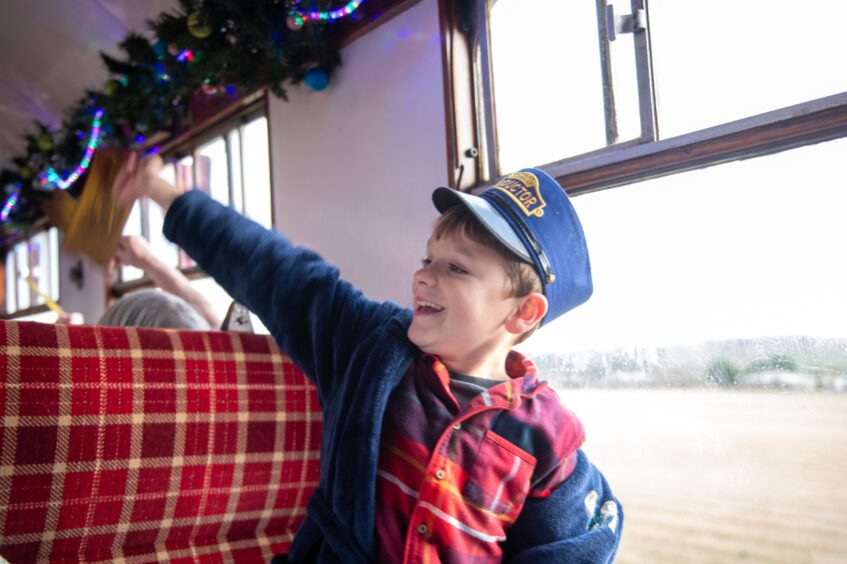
(354, 165)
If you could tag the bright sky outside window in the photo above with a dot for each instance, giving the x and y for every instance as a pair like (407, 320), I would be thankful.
(548, 84)
(749, 249)
(212, 170)
(256, 169)
(540, 97)
(723, 60)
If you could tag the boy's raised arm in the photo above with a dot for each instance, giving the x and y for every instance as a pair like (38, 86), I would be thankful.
(313, 314)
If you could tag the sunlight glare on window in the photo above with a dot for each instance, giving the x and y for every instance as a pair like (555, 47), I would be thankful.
(744, 250)
(212, 170)
(257, 172)
(724, 60)
(163, 249)
(547, 81)
(11, 301)
(133, 226)
(53, 244)
(22, 266)
(234, 146)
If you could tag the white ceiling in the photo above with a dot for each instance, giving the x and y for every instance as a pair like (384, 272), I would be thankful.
(49, 57)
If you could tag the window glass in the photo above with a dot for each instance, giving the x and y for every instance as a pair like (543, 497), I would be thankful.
(162, 248)
(11, 284)
(42, 268)
(624, 78)
(53, 244)
(548, 83)
(212, 171)
(133, 226)
(234, 146)
(184, 169)
(724, 60)
(257, 172)
(32, 272)
(710, 366)
(22, 266)
(221, 167)
(40, 317)
(184, 173)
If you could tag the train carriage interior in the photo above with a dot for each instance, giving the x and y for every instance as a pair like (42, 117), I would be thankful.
(701, 144)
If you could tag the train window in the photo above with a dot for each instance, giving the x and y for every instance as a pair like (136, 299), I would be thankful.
(586, 83)
(32, 276)
(710, 366)
(722, 60)
(231, 163)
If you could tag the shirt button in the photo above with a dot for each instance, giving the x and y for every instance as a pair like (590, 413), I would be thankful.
(422, 529)
(457, 426)
(439, 475)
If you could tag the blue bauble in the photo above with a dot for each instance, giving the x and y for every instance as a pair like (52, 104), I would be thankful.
(160, 48)
(316, 79)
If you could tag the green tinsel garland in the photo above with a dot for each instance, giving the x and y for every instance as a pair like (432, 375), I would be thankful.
(234, 44)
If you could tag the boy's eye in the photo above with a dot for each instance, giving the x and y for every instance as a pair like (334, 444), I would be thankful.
(457, 269)
(425, 262)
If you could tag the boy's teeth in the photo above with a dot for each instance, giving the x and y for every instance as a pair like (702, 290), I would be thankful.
(422, 305)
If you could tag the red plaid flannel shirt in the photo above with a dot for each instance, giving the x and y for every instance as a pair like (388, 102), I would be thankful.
(451, 480)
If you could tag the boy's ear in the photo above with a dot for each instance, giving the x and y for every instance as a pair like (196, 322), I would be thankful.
(531, 309)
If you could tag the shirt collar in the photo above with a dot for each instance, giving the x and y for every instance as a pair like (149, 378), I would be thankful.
(522, 371)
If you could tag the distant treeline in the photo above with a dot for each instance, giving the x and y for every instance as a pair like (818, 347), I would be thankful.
(773, 362)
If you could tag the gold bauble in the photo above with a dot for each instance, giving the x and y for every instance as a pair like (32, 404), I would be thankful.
(44, 142)
(198, 27)
(110, 87)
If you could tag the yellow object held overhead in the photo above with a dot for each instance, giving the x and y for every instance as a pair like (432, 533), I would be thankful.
(94, 224)
(56, 308)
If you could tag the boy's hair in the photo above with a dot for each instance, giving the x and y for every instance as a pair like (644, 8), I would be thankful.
(523, 278)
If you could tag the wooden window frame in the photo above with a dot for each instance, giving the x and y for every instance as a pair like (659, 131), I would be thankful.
(243, 111)
(470, 120)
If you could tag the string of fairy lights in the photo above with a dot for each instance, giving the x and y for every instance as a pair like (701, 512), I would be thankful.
(51, 179)
(299, 17)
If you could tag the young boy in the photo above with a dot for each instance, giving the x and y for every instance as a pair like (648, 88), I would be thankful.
(439, 443)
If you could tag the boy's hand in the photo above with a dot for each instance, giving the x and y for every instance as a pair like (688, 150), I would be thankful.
(140, 177)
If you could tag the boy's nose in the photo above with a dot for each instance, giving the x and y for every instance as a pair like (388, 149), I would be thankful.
(423, 277)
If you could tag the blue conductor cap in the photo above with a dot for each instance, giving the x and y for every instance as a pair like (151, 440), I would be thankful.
(533, 217)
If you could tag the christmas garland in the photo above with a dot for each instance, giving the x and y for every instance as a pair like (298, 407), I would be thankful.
(203, 48)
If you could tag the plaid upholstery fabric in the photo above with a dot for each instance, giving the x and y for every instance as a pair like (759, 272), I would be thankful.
(140, 445)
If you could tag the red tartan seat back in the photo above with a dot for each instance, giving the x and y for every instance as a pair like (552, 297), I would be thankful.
(124, 444)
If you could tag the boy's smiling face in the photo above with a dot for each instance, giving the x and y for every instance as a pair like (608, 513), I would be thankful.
(461, 303)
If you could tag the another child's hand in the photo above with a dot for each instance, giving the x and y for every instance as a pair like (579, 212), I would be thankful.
(134, 251)
(141, 177)
(72, 318)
